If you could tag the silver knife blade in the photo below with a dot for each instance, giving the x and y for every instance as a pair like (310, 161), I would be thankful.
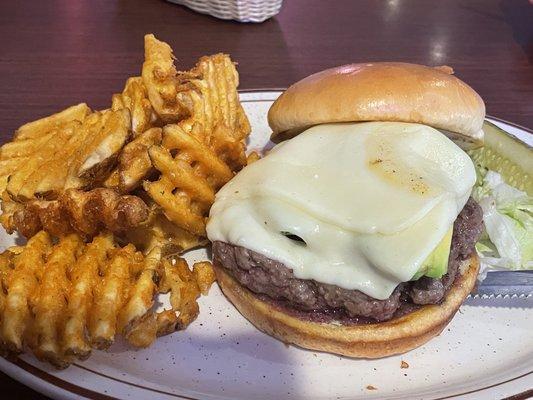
(503, 284)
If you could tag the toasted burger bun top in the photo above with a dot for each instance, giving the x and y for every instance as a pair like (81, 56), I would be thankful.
(380, 92)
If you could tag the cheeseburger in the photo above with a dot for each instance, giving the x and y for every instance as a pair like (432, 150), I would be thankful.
(355, 234)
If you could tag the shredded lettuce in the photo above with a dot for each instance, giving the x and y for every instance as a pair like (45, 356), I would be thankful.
(507, 242)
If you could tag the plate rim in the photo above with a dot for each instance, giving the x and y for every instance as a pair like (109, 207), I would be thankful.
(54, 386)
(51, 385)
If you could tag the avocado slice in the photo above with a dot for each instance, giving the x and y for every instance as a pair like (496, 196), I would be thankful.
(436, 264)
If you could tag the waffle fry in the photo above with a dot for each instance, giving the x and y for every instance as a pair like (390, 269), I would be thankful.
(142, 294)
(90, 211)
(159, 76)
(55, 153)
(112, 180)
(214, 102)
(183, 292)
(14, 154)
(84, 276)
(204, 275)
(252, 157)
(188, 182)
(110, 296)
(134, 98)
(206, 95)
(179, 281)
(81, 212)
(63, 300)
(9, 208)
(22, 283)
(22, 182)
(134, 162)
(50, 302)
(184, 287)
(6, 269)
(107, 132)
(42, 126)
(144, 333)
(158, 231)
(38, 215)
(229, 150)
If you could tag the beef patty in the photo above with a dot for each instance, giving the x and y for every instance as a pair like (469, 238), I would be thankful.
(273, 279)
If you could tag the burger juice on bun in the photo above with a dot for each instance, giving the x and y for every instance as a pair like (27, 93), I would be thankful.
(355, 234)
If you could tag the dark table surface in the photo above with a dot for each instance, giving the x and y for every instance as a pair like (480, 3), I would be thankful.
(58, 53)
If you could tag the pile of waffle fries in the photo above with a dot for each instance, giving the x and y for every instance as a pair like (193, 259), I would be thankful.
(65, 299)
(107, 200)
(171, 139)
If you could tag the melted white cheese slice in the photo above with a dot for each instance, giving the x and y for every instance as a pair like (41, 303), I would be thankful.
(371, 201)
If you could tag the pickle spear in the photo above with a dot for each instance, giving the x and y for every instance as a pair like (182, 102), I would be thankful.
(505, 154)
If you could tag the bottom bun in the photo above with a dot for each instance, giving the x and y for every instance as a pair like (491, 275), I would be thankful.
(373, 340)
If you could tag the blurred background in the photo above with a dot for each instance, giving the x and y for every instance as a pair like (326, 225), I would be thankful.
(59, 52)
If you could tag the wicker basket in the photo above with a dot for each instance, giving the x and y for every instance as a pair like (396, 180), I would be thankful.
(239, 10)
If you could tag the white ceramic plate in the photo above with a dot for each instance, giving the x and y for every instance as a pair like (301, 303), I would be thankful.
(486, 352)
